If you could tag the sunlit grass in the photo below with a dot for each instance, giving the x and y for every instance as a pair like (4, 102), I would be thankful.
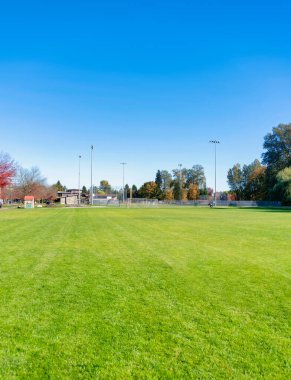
(144, 293)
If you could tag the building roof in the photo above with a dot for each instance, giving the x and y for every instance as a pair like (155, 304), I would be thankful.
(29, 198)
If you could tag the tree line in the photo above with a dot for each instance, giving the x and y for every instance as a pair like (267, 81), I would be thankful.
(17, 182)
(180, 184)
(269, 179)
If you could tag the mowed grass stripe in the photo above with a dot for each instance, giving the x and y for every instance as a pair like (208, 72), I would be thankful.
(146, 293)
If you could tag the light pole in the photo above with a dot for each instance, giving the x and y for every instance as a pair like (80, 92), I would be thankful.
(214, 142)
(123, 164)
(180, 166)
(91, 192)
(79, 191)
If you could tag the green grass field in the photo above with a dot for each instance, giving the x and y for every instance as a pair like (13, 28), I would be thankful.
(186, 293)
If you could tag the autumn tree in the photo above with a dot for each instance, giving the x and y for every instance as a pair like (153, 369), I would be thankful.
(7, 170)
(184, 194)
(150, 190)
(168, 195)
(256, 187)
(248, 183)
(193, 192)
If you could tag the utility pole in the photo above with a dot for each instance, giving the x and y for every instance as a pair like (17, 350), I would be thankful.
(79, 191)
(214, 142)
(91, 191)
(123, 164)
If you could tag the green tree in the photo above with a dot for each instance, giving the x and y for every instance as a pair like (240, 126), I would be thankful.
(166, 179)
(84, 190)
(196, 175)
(177, 191)
(126, 191)
(59, 186)
(282, 189)
(158, 179)
(277, 155)
(235, 180)
(179, 182)
(134, 191)
(105, 187)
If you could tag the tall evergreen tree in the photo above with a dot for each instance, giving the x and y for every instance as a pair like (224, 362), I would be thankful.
(158, 179)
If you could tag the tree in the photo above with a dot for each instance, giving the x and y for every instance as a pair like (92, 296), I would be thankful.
(278, 152)
(7, 170)
(193, 192)
(51, 193)
(256, 187)
(134, 192)
(282, 189)
(179, 182)
(126, 191)
(150, 190)
(30, 182)
(166, 178)
(184, 195)
(59, 186)
(278, 148)
(196, 175)
(177, 191)
(84, 190)
(168, 195)
(235, 180)
(105, 186)
(159, 180)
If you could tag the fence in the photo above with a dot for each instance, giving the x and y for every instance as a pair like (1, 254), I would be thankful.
(144, 202)
(204, 202)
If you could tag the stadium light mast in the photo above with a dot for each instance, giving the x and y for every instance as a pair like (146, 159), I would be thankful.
(123, 164)
(79, 195)
(214, 142)
(91, 192)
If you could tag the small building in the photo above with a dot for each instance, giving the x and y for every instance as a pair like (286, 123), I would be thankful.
(28, 201)
(69, 197)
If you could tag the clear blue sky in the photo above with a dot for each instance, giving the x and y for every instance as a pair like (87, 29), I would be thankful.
(146, 82)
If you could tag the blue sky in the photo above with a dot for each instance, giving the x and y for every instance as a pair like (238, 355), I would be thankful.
(146, 82)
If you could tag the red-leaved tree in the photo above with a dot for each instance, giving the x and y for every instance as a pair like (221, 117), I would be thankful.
(7, 169)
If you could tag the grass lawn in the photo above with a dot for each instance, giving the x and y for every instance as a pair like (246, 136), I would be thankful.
(186, 293)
